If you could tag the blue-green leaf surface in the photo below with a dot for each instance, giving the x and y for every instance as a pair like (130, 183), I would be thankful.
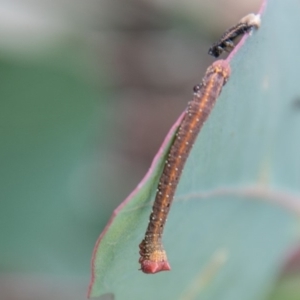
(235, 210)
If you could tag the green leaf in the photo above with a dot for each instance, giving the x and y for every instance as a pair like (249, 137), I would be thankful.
(235, 210)
(47, 124)
(288, 288)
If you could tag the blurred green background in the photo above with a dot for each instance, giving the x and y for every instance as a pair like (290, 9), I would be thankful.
(88, 90)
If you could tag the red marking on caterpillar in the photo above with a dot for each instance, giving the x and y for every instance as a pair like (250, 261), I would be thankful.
(153, 257)
(225, 43)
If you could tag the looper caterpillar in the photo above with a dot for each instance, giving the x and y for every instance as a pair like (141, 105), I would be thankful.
(153, 257)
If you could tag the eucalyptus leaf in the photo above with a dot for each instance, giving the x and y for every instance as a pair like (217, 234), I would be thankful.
(236, 208)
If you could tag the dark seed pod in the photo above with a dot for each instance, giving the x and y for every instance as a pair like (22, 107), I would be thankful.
(225, 43)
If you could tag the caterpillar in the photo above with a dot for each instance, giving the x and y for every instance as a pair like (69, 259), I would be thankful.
(153, 257)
